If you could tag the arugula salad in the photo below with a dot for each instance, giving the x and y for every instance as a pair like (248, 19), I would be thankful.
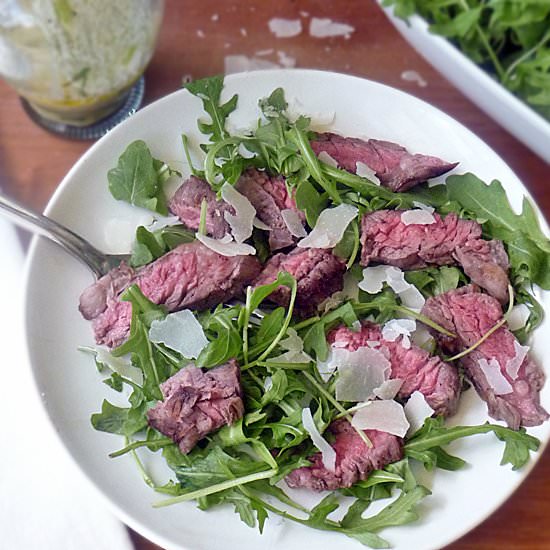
(510, 40)
(279, 353)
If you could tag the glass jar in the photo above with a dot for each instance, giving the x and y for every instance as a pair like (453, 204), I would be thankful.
(74, 61)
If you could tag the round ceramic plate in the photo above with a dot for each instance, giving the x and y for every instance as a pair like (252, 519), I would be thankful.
(71, 387)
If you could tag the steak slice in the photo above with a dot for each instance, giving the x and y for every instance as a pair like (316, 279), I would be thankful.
(436, 380)
(186, 205)
(393, 165)
(387, 240)
(354, 459)
(196, 403)
(190, 276)
(317, 271)
(469, 314)
(269, 196)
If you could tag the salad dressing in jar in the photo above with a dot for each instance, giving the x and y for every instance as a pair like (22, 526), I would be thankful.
(75, 61)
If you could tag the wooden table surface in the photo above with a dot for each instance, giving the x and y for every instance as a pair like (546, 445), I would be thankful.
(194, 40)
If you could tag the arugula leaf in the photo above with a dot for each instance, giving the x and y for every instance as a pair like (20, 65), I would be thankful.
(209, 90)
(138, 178)
(434, 434)
(150, 245)
(117, 420)
(528, 247)
(508, 39)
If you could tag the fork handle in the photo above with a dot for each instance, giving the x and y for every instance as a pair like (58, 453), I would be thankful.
(61, 235)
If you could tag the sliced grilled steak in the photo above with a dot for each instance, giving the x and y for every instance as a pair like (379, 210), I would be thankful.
(436, 380)
(196, 403)
(387, 240)
(186, 205)
(354, 460)
(394, 166)
(318, 272)
(486, 263)
(469, 314)
(269, 196)
(190, 276)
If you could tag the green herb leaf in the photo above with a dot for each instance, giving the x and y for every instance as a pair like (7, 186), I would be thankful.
(138, 177)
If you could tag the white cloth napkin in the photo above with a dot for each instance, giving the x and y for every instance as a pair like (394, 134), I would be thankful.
(45, 502)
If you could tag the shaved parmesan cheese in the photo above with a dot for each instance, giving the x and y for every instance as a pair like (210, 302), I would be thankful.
(373, 343)
(395, 328)
(423, 206)
(517, 318)
(327, 159)
(494, 377)
(241, 221)
(412, 298)
(286, 60)
(361, 169)
(330, 226)
(242, 63)
(417, 217)
(417, 410)
(226, 246)
(260, 224)
(513, 365)
(244, 152)
(268, 383)
(327, 452)
(120, 365)
(396, 280)
(181, 332)
(360, 372)
(324, 27)
(295, 346)
(285, 28)
(385, 416)
(373, 279)
(161, 222)
(293, 222)
(388, 389)
(413, 76)
(422, 337)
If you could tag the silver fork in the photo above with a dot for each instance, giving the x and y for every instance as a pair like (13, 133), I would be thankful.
(78, 247)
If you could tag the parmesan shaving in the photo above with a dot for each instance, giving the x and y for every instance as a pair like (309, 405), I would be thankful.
(327, 159)
(364, 171)
(285, 28)
(240, 222)
(395, 328)
(496, 380)
(181, 332)
(330, 226)
(295, 350)
(423, 206)
(327, 452)
(293, 222)
(417, 410)
(385, 416)
(513, 365)
(325, 27)
(388, 389)
(160, 222)
(373, 279)
(360, 372)
(120, 365)
(226, 246)
(260, 224)
(517, 318)
(417, 217)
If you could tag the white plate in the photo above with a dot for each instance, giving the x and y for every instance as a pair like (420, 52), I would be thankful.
(508, 110)
(71, 386)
